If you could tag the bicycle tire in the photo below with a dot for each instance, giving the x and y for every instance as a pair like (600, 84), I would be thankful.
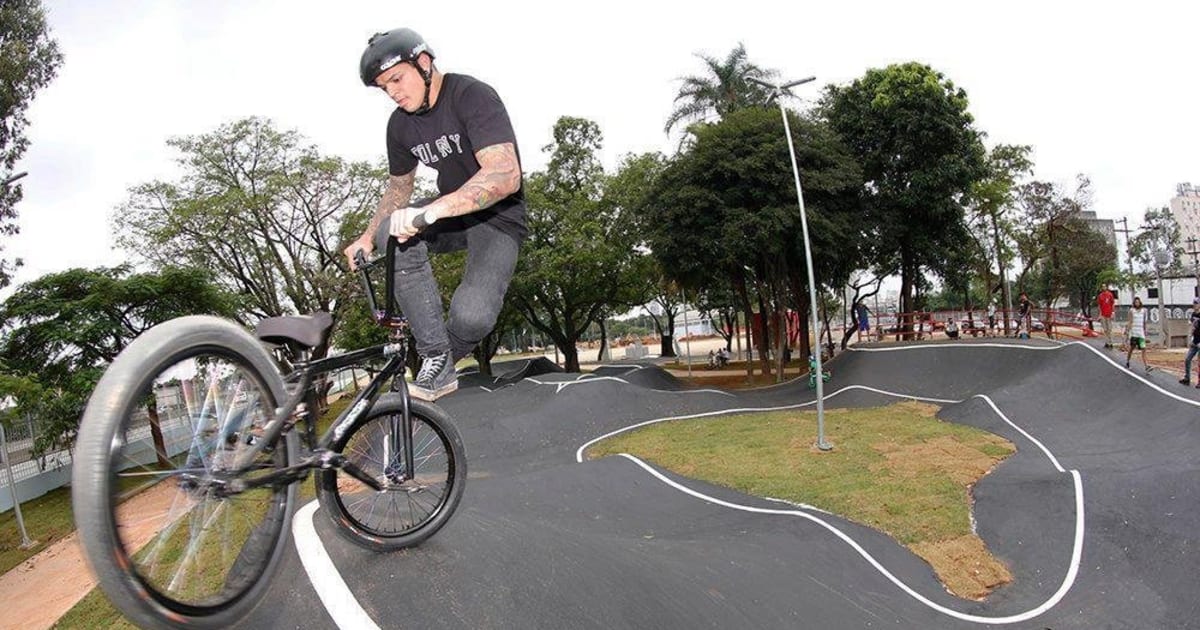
(103, 456)
(437, 444)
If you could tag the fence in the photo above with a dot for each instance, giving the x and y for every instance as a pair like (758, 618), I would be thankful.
(32, 476)
(35, 476)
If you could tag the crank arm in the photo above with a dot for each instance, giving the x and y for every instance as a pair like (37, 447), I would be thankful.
(353, 470)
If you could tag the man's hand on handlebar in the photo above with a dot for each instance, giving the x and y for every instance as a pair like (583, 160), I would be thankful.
(406, 222)
(363, 244)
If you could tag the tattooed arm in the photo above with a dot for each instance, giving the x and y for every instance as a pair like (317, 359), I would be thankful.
(396, 195)
(499, 176)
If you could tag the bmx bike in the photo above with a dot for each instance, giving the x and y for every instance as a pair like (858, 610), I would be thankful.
(195, 438)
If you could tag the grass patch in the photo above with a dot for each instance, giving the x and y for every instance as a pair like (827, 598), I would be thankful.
(48, 519)
(93, 611)
(897, 469)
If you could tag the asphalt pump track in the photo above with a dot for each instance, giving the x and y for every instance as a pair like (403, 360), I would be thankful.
(1095, 515)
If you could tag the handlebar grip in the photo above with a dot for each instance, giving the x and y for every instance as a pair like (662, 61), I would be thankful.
(419, 221)
(360, 260)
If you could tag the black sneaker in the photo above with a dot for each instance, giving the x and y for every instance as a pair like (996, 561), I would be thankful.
(1184, 381)
(435, 379)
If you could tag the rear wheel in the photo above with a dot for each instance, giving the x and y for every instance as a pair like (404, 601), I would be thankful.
(412, 506)
(171, 541)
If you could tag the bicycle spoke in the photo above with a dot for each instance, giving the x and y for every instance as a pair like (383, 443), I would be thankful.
(400, 508)
(198, 549)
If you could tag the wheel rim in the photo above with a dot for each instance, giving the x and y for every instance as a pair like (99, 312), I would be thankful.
(193, 548)
(401, 508)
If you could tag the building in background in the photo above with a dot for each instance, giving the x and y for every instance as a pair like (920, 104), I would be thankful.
(1185, 207)
(1107, 227)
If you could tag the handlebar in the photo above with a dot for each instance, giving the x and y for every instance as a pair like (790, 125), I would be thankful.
(362, 266)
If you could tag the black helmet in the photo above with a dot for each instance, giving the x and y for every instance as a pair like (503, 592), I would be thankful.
(389, 48)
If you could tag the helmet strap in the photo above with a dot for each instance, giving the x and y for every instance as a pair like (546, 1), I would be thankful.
(428, 76)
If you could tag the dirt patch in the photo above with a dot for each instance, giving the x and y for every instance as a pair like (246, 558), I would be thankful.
(965, 566)
(944, 454)
(46, 586)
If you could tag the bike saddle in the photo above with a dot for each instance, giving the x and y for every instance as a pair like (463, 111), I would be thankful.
(309, 331)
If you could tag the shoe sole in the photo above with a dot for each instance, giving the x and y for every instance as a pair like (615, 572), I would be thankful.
(430, 396)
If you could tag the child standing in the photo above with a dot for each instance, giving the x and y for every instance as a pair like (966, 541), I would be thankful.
(1135, 329)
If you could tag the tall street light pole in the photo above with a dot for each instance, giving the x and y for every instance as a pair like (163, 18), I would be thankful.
(777, 93)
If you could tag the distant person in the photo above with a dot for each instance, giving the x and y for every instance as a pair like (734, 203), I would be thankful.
(1107, 303)
(1193, 344)
(1135, 330)
(991, 315)
(1024, 316)
(862, 314)
(951, 329)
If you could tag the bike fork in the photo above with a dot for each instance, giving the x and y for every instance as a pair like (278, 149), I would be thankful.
(397, 444)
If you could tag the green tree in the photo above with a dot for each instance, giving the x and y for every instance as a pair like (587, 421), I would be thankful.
(1159, 235)
(1051, 217)
(724, 211)
(992, 225)
(267, 213)
(724, 88)
(63, 329)
(626, 193)
(1087, 258)
(576, 264)
(909, 128)
(29, 60)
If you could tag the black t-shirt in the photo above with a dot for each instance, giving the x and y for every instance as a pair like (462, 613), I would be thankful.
(1195, 320)
(467, 116)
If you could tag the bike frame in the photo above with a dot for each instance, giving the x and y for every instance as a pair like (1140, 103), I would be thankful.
(302, 376)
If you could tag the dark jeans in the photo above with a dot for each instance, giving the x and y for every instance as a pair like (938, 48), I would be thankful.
(491, 257)
(1193, 350)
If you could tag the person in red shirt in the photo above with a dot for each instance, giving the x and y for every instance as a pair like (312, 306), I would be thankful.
(1107, 303)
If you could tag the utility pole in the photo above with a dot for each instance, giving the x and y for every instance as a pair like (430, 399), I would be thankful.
(1128, 254)
(1191, 241)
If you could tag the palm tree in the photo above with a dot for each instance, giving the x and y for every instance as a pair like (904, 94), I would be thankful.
(722, 90)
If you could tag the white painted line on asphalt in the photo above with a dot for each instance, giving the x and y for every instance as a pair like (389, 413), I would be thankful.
(1081, 344)
(948, 345)
(338, 599)
(1068, 581)
(561, 385)
(1137, 377)
(1076, 551)
(1053, 459)
(730, 411)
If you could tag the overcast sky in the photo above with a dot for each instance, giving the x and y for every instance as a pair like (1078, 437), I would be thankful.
(1111, 92)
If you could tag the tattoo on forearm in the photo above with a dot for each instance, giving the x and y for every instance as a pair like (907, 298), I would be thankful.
(499, 176)
(397, 195)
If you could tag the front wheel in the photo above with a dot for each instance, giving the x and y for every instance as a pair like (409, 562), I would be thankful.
(413, 505)
(172, 542)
